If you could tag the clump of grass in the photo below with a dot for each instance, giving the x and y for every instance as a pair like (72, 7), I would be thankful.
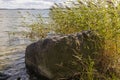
(90, 61)
(38, 30)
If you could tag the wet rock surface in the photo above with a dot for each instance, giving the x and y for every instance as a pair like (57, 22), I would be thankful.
(45, 58)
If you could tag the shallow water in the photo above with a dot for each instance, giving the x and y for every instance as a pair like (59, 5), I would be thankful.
(12, 47)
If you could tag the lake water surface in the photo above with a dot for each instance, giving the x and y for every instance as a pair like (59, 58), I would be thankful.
(12, 47)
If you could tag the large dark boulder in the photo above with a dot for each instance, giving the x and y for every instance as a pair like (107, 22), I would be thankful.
(51, 58)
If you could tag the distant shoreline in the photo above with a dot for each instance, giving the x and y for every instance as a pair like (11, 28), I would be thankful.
(23, 9)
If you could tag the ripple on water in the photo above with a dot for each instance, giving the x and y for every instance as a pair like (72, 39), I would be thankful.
(12, 62)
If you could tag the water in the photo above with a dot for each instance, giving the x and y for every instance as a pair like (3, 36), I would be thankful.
(12, 47)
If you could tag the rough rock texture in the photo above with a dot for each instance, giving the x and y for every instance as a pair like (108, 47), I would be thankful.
(46, 57)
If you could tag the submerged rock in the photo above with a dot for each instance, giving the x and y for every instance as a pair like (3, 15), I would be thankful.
(51, 58)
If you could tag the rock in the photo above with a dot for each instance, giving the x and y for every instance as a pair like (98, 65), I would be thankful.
(4, 76)
(51, 58)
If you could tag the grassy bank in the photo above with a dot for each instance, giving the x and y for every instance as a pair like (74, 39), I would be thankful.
(102, 17)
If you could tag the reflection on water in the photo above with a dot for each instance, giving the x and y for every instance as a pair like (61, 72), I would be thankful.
(12, 47)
